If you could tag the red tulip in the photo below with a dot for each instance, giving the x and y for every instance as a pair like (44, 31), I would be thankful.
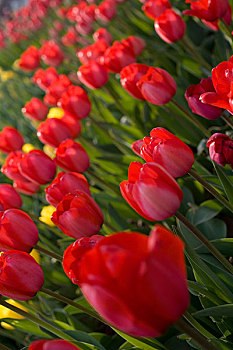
(71, 156)
(208, 10)
(170, 26)
(157, 86)
(154, 8)
(106, 10)
(70, 38)
(221, 149)
(193, 94)
(102, 34)
(9, 198)
(64, 184)
(11, 166)
(53, 131)
(17, 231)
(167, 150)
(78, 215)
(57, 88)
(20, 275)
(135, 43)
(74, 253)
(117, 57)
(56, 344)
(92, 52)
(75, 102)
(73, 124)
(26, 187)
(129, 268)
(30, 59)
(93, 75)
(45, 77)
(37, 167)
(151, 191)
(10, 139)
(51, 54)
(130, 75)
(227, 18)
(35, 109)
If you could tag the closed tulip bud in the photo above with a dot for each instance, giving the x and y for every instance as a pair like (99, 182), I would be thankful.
(20, 275)
(127, 268)
(221, 149)
(74, 253)
(208, 10)
(102, 34)
(53, 131)
(56, 344)
(58, 87)
(37, 167)
(10, 140)
(9, 198)
(170, 26)
(51, 54)
(154, 8)
(227, 18)
(75, 102)
(92, 52)
(26, 187)
(135, 43)
(46, 214)
(63, 184)
(11, 166)
(35, 109)
(78, 215)
(30, 59)
(71, 156)
(106, 11)
(93, 75)
(130, 75)
(73, 124)
(157, 86)
(167, 150)
(17, 231)
(193, 94)
(117, 57)
(45, 77)
(151, 191)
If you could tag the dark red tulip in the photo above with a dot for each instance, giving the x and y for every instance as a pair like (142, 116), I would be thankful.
(20, 275)
(102, 34)
(30, 59)
(51, 54)
(45, 77)
(10, 140)
(55, 344)
(78, 215)
(53, 131)
(64, 184)
(75, 102)
(170, 26)
(154, 8)
(93, 75)
(221, 149)
(130, 75)
(35, 109)
(71, 156)
(208, 10)
(9, 198)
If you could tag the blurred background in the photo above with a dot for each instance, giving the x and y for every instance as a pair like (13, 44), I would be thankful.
(6, 6)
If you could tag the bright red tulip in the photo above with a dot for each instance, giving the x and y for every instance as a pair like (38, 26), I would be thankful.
(20, 275)
(30, 59)
(102, 34)
(35, 109)
(37, 167)
(55, 344)
(26, 187)
(154, 8)
(117, 57)
(135, 43)
(193, 94)
(64, 184)
(92, 52)
(53, 131)
(170, 26)
(74, 253)
(11, 166)
(221, 149)
(151, 191)
(71, 156)
(157, 86)
(75, 102)
(9, 198)
(167, 150)
(78, 215)
(70, 38)
(10, 140)
(130, 75)
(51, 54)
(56, 89)
(17, 231)
(93, 75)
(208, 10)
(73, 124)
(128, 267)
(45, 77)
(106, 10)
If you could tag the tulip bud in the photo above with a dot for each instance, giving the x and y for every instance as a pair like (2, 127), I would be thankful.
(9, 198)
(154, 8)
(26, 187)
(56, 344)
(77, 215)
(117, 57)
(20, 275)
(45, 77)
(73, 124)
(75, 102)
(208, 10)
(106, 11)
(10, 140)
(102, 34)
(170, 26)
(93, 75)
(130, 75)
(11, 166)
(135, 43)
(53, 131)
(221, 149)
(30, 59)
(63, 184)
(151, 191)
(35, 109)
(51, 54)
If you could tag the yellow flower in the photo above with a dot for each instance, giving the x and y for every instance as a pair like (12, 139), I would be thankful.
(35, 254)
(50, 151)
(46, 213)
(56, 112)
(27, 147)
(7, 313)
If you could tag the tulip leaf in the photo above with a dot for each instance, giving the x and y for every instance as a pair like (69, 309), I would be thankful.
(225, 181)
(224, 245)
(27, 327)
(225, 310)
(83, 337)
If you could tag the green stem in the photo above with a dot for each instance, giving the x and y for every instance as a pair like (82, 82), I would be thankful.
(227, 29)
(192, 118)
(196, 336)
(227, 120)
(48, 252)
(211, 190)
(197, 325)
(70, 302)
(107, 224)
(200, 60)
(205, 241)
(102, 182)
(38, 321)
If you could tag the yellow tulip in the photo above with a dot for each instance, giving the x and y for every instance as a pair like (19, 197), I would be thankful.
(27, 147)
(46, 214)
(7, 313)
(35, 254)
(56, 112)
(50, 151)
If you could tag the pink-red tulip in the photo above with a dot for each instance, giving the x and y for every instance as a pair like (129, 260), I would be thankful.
(117, 57)
(73, 124)
(9, 198)
(51, 54)
(170, 26)
(55, 344)
(130, 75)
(93, 75)
(45, 77)
(106, 10)
(26, 187)
(75, 102)
(11, 166)
(221, 149)
(102, 34)
(10, 140)
(53, 131)
(35, 109)
(154, 8)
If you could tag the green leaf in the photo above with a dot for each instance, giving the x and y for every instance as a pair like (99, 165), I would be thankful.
(85, 338)
(220, 310)
(225, 181)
